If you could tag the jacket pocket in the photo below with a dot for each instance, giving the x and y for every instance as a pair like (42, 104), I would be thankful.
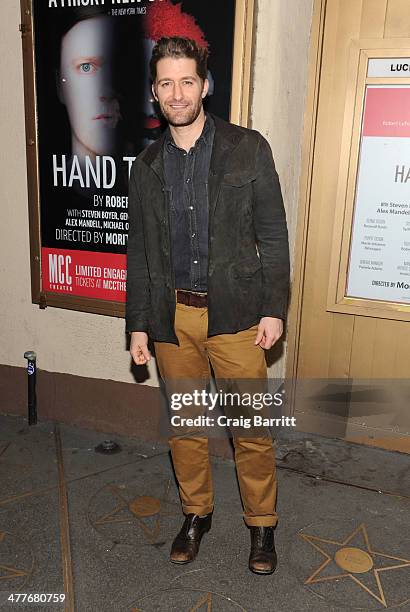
(246, 269)
(238, 179)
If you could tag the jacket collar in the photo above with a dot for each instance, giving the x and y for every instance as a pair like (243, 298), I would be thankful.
(226, 138)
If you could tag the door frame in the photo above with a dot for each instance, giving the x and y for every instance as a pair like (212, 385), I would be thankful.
(308, 149)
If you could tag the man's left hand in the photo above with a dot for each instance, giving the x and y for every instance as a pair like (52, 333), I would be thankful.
(269, 332)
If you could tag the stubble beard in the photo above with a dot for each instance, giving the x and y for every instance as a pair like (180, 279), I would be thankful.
(184, 118)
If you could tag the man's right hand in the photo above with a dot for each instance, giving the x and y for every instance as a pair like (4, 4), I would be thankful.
(139, 348)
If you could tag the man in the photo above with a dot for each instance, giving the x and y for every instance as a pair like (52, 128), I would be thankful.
(207, 280)
(165, 19)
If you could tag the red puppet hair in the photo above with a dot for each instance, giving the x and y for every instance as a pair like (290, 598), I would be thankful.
(164, 19)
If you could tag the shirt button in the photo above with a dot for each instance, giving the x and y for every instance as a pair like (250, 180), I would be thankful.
(195, 261)
(191, 208)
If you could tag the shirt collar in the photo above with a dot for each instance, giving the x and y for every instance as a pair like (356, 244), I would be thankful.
(206, 135)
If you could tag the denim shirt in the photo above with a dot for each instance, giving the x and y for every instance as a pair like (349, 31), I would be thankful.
(186, 182)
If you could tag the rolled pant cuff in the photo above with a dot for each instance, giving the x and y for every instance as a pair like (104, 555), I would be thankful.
(261, 521)
(200, 510)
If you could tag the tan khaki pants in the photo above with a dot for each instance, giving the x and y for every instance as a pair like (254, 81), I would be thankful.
(232, 356)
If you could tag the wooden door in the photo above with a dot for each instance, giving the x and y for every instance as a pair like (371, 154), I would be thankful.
(351, 371)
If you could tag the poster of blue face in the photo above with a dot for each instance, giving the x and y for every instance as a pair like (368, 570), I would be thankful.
(95, 113)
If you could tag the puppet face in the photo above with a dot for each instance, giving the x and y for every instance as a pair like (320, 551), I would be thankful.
(86, 86)
(179, 90)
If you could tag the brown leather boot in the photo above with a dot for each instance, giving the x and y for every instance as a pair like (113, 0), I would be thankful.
(262, 559)
(185, 547)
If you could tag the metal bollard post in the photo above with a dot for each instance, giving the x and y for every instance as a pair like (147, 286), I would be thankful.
(31, 373)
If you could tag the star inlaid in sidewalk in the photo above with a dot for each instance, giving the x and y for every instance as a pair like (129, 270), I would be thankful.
(354, 561)
(7, 571)
(138, 508)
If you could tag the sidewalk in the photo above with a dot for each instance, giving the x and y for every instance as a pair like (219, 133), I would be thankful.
(100, 528)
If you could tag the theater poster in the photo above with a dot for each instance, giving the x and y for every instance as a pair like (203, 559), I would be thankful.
(380, 249)
(89, 112)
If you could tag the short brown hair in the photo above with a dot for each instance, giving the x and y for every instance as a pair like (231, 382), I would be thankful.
(178, 47)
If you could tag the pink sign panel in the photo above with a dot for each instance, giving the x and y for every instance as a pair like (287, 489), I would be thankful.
(387, 112)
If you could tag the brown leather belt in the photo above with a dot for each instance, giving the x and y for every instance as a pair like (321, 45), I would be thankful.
(192, 299)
